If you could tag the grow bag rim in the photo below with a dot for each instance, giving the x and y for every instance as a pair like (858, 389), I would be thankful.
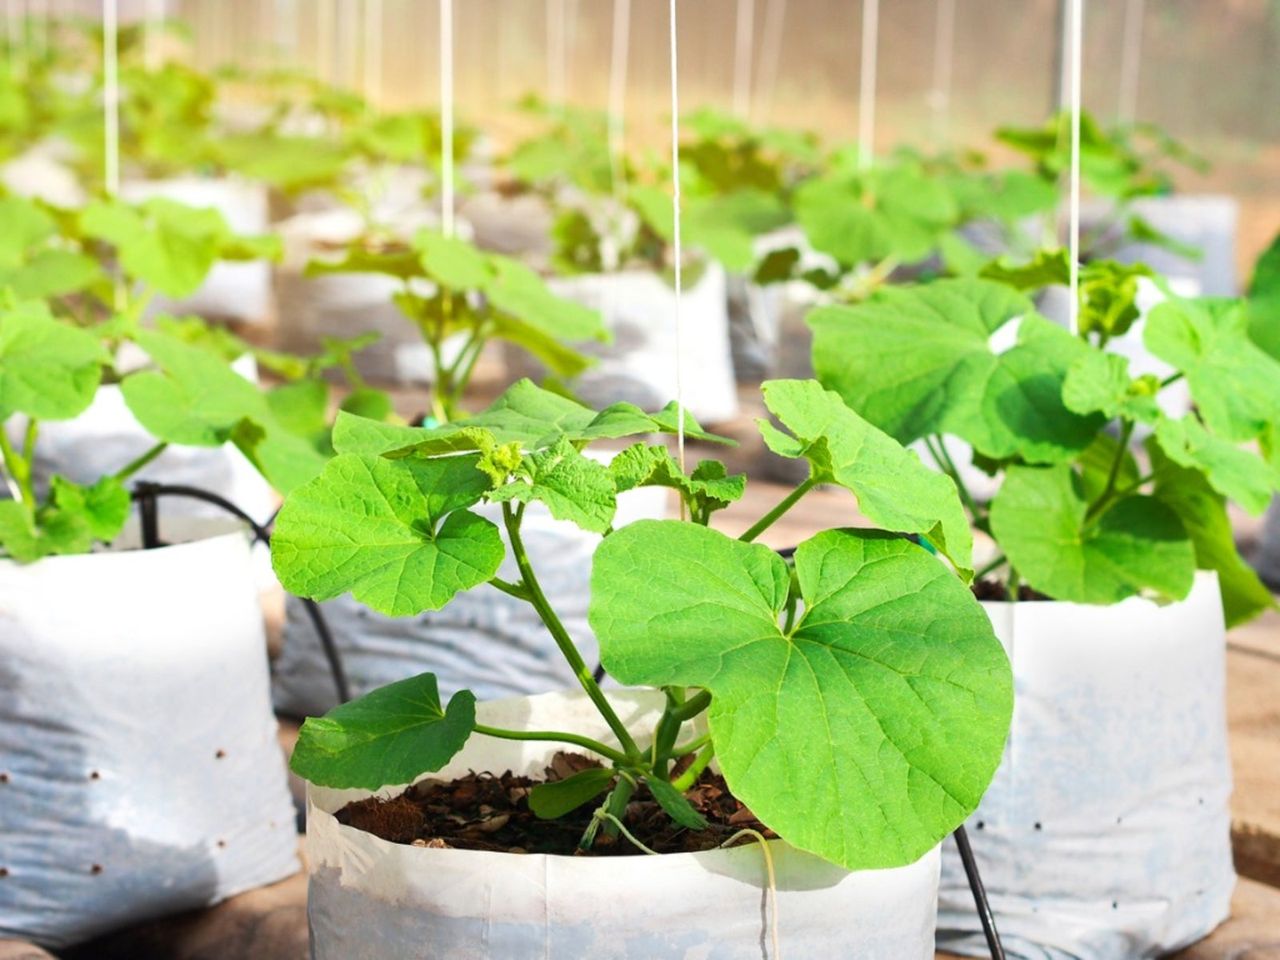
(233, 530)
(1204, 580)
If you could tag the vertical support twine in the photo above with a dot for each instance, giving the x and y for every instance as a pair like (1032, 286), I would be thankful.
(618, 64)
(155, 17)
(1076, 38)
(1130, 61)
(743, 48)
(557, 43)
(446, 117)
(867, 84)
(285, 15)
(677, 247)
(324, 40)
(111, 96)
(944, 47)
(372, 26)
(775, 19)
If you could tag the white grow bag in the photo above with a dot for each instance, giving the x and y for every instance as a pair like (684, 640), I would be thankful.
(232, 291)
(142, 776)
(484, 641)
(374, 900)
(1106, 832)
(638, 308)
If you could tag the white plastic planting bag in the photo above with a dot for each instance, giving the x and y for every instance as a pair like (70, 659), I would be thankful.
(140, 774)
(638, 307)
(374, 900)
(232, 291)
(1106, 832)
(485, 641)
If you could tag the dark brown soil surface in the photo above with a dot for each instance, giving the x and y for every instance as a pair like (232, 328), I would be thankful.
(482, 811)
(996, 590)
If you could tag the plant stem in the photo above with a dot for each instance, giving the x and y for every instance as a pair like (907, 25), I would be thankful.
(789, 501)
(595, 746)
(998, 561)
(29, 440)
(127, 471)
(561, 636)
(691, 775)
(516, 590)
(614, 806)
(943, 459)
(692, 707)
(1172, 378)
(693, 746)
(1108, 492)
(19, 471)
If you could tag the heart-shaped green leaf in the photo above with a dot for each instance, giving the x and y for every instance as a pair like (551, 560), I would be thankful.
(385, 738)
(1203, 513)
(920, 360)
(49, 370)
(1233, 471)
(1235, 384)
(395, 533)
(1136, 546)
(894, 489)
(867, 732)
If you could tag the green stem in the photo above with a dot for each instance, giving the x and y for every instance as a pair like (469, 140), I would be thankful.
(693, 746)
(127, 471)
(691, 775)
(29, 440)
(692, 707)
(614, 807)
(943, 459)
(516, 590)
(1171, 379)
(561, 636)
(19, 471)
(555, 736)
(466, 364)
(789, 501)
(998, 561)
(1109, 491)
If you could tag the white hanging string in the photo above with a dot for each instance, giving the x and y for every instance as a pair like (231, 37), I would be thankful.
(324, 40)
(286, 31)
(867, 84)
(677, 247)
(373, 49)
(446, 117)
(774, 21)
(111, 96)
(556, 52)
(743, 48)
(1076, 37)
(618, 63)
(151, 34)
(944, 46)
(1130, 61)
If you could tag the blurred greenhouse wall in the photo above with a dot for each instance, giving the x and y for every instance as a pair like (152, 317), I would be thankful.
(1210, 69)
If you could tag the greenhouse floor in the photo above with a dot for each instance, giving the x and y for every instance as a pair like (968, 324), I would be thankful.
(271, 923)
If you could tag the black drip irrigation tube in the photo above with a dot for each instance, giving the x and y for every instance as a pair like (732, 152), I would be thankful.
(147, 496)
(961, 836)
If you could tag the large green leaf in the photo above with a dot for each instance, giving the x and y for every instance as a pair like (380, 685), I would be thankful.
(386, 738)
(919, 360)
(894, 489)
(1136, 546)
(164, 244)
(1235, 384)
(867, 732)
(195, 398)
(395, 533)
(1099, 383)
(453, 263)
(1233, 471)
(550, 801)
(1264, 301)
(573, 487)
(518, 291)
(49, 370)
(1203, 513)
(707, 489)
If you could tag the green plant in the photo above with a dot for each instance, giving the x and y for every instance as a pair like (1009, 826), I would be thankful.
(1124, 164)
(461, 298)
(1078, 516)
(856, 700)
